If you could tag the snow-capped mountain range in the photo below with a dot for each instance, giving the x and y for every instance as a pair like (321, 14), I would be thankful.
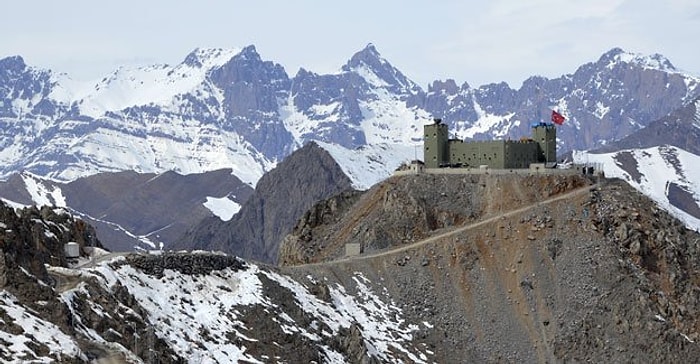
(231, 109)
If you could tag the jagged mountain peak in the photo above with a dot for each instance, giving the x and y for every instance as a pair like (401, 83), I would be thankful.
(12, 63)
(248, 66)
(448, 86)
(368, 52)
(203, 57)
(303, 73)
(377, 71)
(250, 53)
(367, 56)
(654, 61)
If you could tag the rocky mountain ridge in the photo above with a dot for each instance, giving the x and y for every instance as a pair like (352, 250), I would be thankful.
(280, 198)
(231, 108)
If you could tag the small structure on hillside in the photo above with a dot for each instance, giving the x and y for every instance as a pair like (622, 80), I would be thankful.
(417, 166)
(352, 249)
(71, 250)
(440, 151)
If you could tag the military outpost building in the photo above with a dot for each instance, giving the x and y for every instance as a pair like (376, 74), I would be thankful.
(441, 151)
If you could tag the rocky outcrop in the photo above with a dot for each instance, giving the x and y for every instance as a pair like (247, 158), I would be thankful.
(280, 198)
(197, 263)
(298, 246)
(664, 254)
(32, 237)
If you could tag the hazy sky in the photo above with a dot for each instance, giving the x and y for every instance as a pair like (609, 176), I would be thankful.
(469, 41)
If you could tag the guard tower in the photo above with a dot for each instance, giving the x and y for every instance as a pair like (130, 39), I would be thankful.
(435, 144)
(546, 137)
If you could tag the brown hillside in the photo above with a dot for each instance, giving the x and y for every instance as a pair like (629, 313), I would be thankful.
(514, 273)
(406, 209)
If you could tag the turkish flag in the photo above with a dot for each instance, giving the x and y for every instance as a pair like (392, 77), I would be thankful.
(557, 118)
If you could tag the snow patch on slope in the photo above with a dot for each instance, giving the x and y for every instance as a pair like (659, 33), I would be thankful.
(299, 124)
(371, 164)
(223, 207)
(34, 330)
(654, 62)
(499, 125)
(657, 171)
(41, 194)
(190, 148)
(214, 304)
(389, 120)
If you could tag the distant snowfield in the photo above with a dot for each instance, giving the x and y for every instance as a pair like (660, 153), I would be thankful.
(137, 86)
(658, 167)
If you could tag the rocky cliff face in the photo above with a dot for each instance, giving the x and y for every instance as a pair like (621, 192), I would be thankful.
(280, 198)
(30, 240)
(681, 129)
(33, 237)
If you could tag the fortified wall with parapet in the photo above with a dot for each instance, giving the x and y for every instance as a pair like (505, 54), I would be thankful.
(440, 151)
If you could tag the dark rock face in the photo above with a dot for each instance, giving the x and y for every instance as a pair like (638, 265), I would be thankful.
(679, 129)
(37, 236)
(280, 198)
(251, 89)
(189, 264)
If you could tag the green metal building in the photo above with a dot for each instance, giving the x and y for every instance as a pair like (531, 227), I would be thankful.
(441, 151)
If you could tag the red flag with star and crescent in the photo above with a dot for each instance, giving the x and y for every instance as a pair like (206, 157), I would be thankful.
(557, 118)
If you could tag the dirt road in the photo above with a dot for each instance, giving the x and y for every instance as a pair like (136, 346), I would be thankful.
(461, 229)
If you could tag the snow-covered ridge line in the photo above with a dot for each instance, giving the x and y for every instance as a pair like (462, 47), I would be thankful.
(143, 85)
